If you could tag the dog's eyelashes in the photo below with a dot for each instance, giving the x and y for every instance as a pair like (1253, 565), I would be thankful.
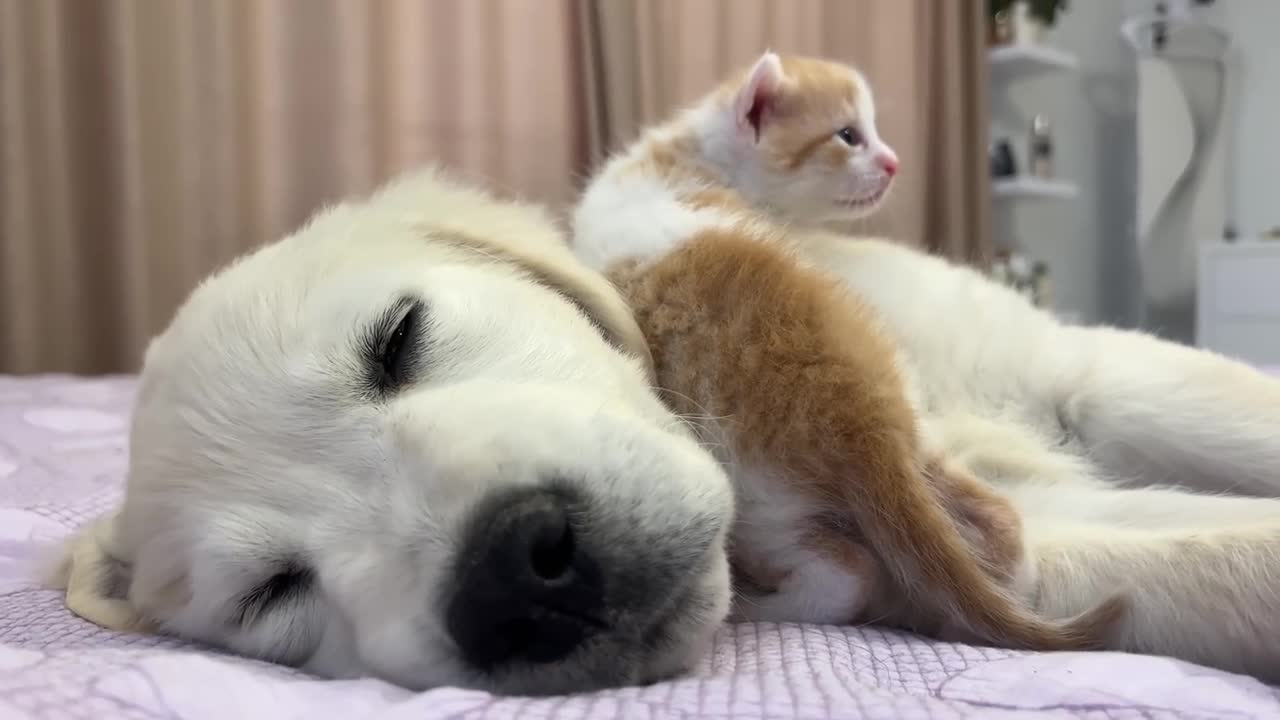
(391, 346)
(289, 583)
(393, 351)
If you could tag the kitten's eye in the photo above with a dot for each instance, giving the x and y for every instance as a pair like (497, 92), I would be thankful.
(850, 136)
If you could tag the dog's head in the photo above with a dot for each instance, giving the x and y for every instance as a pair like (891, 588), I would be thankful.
(415, 440)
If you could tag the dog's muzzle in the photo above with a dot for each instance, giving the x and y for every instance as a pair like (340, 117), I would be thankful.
(527, 589)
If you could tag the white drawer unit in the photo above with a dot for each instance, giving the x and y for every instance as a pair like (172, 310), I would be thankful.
(1238, 301)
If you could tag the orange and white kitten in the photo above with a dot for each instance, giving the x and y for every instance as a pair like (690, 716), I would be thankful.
(791, 139)
(845, 513)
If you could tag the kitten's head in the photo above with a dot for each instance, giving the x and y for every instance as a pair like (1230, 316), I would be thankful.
(799, 137)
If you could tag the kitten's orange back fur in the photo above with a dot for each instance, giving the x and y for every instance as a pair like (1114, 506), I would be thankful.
(804, 376)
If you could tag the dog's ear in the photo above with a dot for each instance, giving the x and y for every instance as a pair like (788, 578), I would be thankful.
(520, 233)
(96, 579)
(598, 299)
(554, 265)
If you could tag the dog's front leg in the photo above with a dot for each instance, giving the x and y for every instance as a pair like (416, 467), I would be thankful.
(1164, 413)
(1202, 574)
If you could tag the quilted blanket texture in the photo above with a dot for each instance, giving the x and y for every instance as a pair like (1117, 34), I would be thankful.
(63, 454)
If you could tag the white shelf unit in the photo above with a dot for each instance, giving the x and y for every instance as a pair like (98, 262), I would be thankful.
(1017, 60)
(1005, 63)
(1031, 188)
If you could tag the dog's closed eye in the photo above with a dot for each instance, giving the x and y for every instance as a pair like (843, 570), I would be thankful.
(391, 346)
(291, 582)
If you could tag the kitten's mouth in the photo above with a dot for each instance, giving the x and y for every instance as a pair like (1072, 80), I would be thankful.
(863, 201)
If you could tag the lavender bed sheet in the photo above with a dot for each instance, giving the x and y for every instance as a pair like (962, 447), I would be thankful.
(62, 459)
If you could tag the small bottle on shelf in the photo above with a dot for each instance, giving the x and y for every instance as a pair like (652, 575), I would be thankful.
(1040, 148)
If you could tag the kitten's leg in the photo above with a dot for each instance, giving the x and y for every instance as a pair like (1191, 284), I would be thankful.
(992, 525)
(987, 519)
(834, 578)
(820, 588)
(1167, 413)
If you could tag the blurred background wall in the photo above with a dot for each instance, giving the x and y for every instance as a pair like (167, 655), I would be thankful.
(144, 144)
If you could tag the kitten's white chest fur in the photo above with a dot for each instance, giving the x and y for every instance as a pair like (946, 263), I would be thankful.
(635, 215)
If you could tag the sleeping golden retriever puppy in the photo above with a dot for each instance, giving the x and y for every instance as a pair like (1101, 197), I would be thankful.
(416, 440)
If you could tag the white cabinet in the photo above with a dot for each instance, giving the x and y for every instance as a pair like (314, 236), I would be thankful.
(1238, 301)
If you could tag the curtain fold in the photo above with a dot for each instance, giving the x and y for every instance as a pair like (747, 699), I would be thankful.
(144, 144)
(957, 179)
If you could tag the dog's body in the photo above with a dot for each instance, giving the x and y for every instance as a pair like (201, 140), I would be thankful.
(1136, 463)
(414, 440)
(1119, 451)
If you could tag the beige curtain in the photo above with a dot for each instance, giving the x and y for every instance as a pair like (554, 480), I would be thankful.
(144, 143)
(926, 60)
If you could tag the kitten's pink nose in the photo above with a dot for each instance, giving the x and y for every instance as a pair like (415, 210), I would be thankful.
(888, 163)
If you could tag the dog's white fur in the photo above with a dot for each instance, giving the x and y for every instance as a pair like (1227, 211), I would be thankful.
(257, 441)
(1138, 465)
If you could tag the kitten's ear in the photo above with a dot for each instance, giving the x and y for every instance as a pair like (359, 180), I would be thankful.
(751, 104)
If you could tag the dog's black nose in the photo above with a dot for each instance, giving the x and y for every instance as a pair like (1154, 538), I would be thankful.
(527, 591)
